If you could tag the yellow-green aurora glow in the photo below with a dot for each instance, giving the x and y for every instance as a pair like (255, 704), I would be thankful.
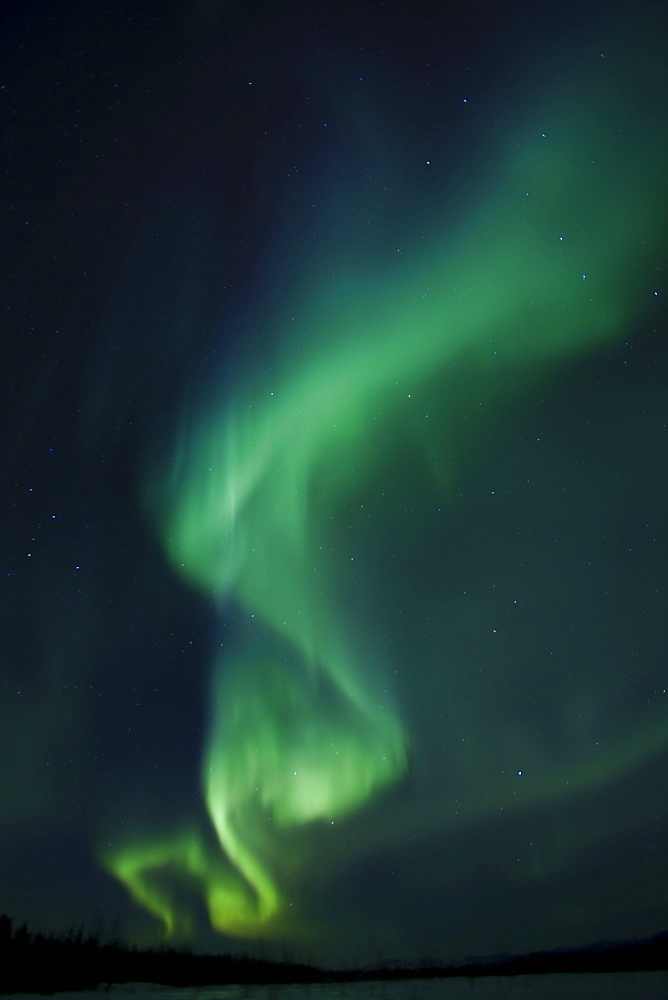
(379, 377)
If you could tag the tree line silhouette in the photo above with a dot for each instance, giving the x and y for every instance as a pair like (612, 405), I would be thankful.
(48, 963)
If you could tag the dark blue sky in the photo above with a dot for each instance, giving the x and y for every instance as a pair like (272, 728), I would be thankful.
(209, 204)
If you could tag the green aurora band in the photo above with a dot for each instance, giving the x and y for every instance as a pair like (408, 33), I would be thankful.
(305, 725)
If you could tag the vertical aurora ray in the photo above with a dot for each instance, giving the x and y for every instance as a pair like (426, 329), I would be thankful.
(305, 728)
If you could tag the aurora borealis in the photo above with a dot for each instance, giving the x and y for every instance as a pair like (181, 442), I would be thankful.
(336, 463)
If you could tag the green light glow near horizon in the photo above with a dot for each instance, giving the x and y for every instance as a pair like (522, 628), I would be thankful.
(394, 377)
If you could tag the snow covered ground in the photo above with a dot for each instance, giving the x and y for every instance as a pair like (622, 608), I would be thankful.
(597, 986)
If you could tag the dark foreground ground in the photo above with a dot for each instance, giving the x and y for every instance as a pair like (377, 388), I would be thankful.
(40, 963)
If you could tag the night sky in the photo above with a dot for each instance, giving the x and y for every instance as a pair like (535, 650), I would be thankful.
(333, 424)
